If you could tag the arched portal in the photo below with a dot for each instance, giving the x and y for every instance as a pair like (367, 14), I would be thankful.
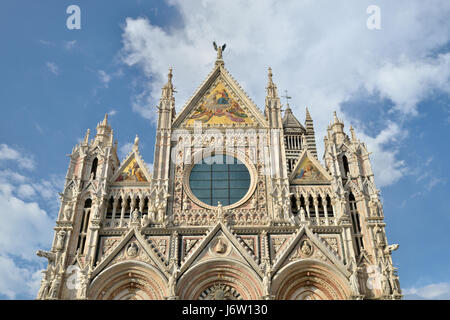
(310, 279)
(130, 280)
(223, 279)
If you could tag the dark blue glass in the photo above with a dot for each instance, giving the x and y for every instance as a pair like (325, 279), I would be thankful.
(219, 178)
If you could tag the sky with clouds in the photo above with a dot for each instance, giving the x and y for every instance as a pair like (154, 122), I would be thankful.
(391, 84)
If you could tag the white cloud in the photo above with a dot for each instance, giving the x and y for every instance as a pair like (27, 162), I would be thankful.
(26, 191)
(436, 291)
(15, 280)
(125, 149)
(52, 67)
(112, 112)
(324, 55)
(69, 45)
(24, 225)
(8, 153)
(387, 168)
(104, 78)
(407, 82)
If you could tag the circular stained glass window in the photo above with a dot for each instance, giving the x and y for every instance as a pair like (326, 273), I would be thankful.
(219, 178)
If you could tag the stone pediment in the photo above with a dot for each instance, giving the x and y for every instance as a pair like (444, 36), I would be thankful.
(308, 170)
(220, 102)
(220, 243)
(306, 245)
(132, 246)
(132, 171)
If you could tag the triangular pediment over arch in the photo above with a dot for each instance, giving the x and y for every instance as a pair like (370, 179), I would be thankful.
(220, 243)
(306, 245)
(133, 170)
(132, 246)
(308, 170)
(220, 102)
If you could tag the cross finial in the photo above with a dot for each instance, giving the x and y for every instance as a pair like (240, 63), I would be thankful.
(287, 98)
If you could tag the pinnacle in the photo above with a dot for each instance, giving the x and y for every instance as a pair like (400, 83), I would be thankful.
(308, 116)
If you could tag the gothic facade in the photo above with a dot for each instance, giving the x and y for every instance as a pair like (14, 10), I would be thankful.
(237, 206)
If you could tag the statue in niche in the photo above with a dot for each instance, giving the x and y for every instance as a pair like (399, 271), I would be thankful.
(145, 221)
(306, 248)
(67, 212)
(60, 240)
(302, 214)
(220, 247)
(135, 217)
(132, 250)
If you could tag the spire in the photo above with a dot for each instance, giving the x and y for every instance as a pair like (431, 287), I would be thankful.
(167, 90)
(308, 116)
(103, 131)
(271, 87)
(353, 133)
(337, 125)
(335, 118)
(310, 134)
(86, 137)
(105, 120)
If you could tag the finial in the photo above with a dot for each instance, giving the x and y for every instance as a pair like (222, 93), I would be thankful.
(86, 137)
(219, 50)
(353, 133)
(270, 75)
(287, 100)
(169, 76)
(308, 116)
(136, 143)
(336, 120)
(105, 120)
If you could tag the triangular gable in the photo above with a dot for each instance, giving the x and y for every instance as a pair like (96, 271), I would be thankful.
(220, 238)
(220, 101)
(146, 249)
(308, 170)
(132, 171)
(306, 245)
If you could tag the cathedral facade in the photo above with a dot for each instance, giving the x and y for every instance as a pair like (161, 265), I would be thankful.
(237, 206)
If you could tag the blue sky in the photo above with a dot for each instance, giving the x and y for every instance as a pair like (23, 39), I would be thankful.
(391, 84)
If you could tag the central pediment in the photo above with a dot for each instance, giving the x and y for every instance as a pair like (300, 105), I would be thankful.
(220, 102)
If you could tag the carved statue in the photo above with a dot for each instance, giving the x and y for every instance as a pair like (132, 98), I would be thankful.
(306, 248)
(385, 289)
(354, 279)
(267, 280)
(54, 288)
(132, 250)
(219, 49)
(45, 287)
(60, 240)
(173, 281)
(51, 256)
(392, 247)
(135, 217)
(145, 221)
(67, 215)
(380, 238)
(302, 214)
(220, 247)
